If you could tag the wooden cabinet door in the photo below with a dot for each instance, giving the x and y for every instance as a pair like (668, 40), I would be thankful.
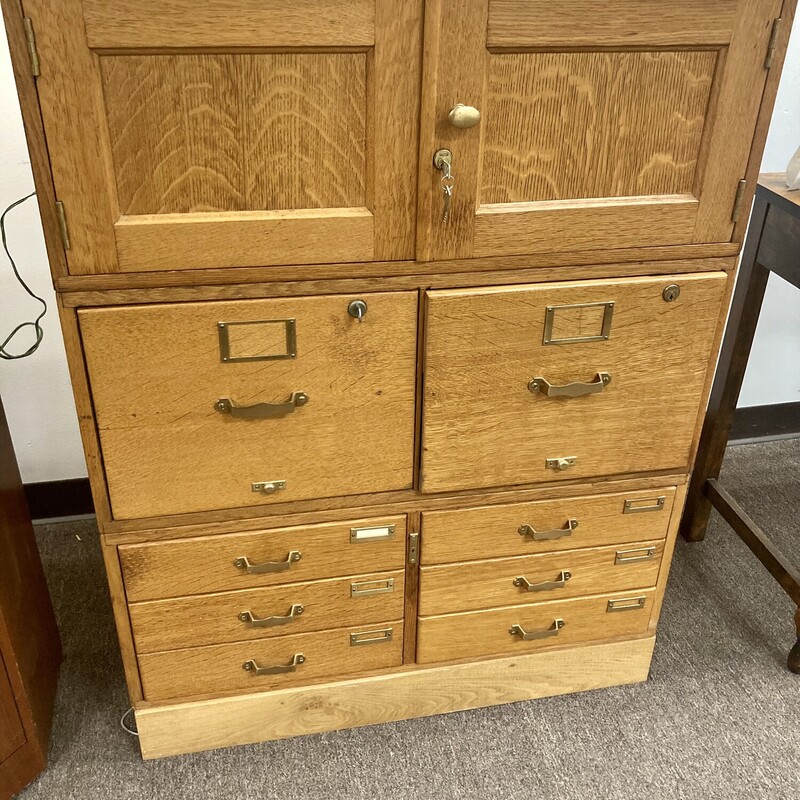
(604, 123)
(211, 134)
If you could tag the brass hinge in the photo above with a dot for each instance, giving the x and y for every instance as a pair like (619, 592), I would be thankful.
(62, 224)
(773, 42)
(737, 203)
(413, 549)
(32, 51)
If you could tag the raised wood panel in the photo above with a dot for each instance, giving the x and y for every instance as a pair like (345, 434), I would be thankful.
(171, 729)
(206, 564)
(156, 374)
(483, 426)
(237, 132)
(479, 634)
(229, 23)
(622, 23)
(214, 240)
(477, 585)
(559, 226)
(219, 668)
(494, 531)
(618, 124)
(214, 618)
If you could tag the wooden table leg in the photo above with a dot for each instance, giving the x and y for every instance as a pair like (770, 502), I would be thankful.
(793, 662)
(741, 328)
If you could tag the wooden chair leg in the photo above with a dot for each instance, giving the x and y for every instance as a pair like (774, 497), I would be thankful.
(793, 662)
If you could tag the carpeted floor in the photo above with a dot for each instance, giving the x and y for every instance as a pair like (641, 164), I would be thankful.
(719, 717)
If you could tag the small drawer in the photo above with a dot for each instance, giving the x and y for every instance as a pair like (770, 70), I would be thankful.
(563, 381)
(253, 614)
(184, 567)
(215, 405)
(521, 629)
(271, 663)
(545, 525)
(526, 579)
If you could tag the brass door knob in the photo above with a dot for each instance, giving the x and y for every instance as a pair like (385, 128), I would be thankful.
(462, 116)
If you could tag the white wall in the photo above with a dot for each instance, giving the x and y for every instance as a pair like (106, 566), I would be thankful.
(773, 372)
(36, 392)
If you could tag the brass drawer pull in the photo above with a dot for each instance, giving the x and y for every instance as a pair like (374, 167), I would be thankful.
(626, 604)
(650, 504)
(366, 588)
(243, 562)
(261, 410)
(270, 622)
(634, 556)
(559, 583)
(543, 536)
(275, 669)
(371, 637)
(570, 389)
(518, 630)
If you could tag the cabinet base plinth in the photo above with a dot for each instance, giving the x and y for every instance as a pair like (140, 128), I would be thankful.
(189, 727)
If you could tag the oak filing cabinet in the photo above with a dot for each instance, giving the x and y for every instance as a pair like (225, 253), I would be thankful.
(390, 324)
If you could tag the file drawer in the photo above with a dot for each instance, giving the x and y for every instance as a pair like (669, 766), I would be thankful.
(544, 526)
(215, 405)
(183, 567)
(272, 663)
(522, 629)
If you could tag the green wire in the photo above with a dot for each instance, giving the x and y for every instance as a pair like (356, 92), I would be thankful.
(35, 324)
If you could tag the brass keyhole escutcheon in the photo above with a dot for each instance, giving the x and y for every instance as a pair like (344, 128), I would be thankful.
(671, 293)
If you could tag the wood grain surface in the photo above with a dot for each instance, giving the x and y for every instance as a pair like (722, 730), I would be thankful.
(112, 24)
(214, 618)
(219, 668)
(218, 240)
(476, 585)
(494, 531)
(236, 131)
(173, 728)
(622, 23)
(156, 375)
(483, 426)
(617, 124)
(205, 564)
(479, 634)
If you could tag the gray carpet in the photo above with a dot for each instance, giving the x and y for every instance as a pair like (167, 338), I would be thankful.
(719, 717)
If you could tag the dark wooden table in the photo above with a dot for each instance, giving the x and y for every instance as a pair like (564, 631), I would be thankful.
(773, 245)
(30, 649)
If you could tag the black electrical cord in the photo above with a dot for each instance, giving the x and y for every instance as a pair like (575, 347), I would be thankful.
(35, 324)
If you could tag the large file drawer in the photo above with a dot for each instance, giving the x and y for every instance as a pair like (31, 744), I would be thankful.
(526, 579)
(544, 526)
(214, 405)
(271, 663)
(534, 383)
(181, 567)
(522, 629)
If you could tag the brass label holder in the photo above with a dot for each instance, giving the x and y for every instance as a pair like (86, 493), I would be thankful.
(644, 505)
(371, 637)
(227, 356)
(601, 335)
(377, 533)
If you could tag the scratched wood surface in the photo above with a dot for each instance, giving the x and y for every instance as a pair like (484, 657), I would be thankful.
(236, 132)
(619, 124)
